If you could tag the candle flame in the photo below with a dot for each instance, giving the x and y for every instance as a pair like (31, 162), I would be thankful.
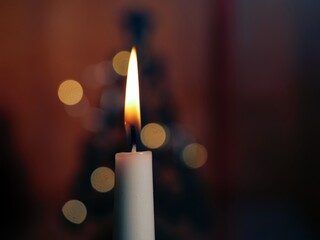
(132, 99)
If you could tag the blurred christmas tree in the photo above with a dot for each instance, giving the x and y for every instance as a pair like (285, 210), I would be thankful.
(181, 210)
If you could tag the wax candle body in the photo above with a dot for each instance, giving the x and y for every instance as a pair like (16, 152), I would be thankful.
(134, 211)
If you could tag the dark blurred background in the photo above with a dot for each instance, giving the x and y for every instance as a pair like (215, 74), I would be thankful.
(232, 86)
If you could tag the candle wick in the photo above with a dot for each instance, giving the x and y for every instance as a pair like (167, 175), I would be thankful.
(133, 137)
(134, 148)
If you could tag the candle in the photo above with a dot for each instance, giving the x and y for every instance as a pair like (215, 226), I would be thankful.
(134, 212)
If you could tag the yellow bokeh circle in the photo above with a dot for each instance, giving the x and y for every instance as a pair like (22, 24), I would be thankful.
(194, 155)
(102, 179)
(120, 62)
(75, 211)
(153, 135)
(70, 92)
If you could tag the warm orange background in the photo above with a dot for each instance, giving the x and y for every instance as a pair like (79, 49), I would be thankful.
(243, 75)
(46, 42)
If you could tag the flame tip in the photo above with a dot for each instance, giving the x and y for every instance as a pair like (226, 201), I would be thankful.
(134, 50)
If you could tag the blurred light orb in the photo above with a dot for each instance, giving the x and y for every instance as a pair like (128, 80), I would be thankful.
(153, 135)
(102, 179)
(120, 62)
(75, 211)
(70, 92)
(194, 155)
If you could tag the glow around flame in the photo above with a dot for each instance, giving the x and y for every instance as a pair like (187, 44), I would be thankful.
(132, 99)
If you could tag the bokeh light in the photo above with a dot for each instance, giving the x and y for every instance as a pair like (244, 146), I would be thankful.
(75, 211)
(70, 92)
(153, 135)
(120, 62)
(194, 155)
(102, 179)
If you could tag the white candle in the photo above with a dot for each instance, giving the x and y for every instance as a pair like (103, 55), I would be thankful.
(134, 196)
(134, 213)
